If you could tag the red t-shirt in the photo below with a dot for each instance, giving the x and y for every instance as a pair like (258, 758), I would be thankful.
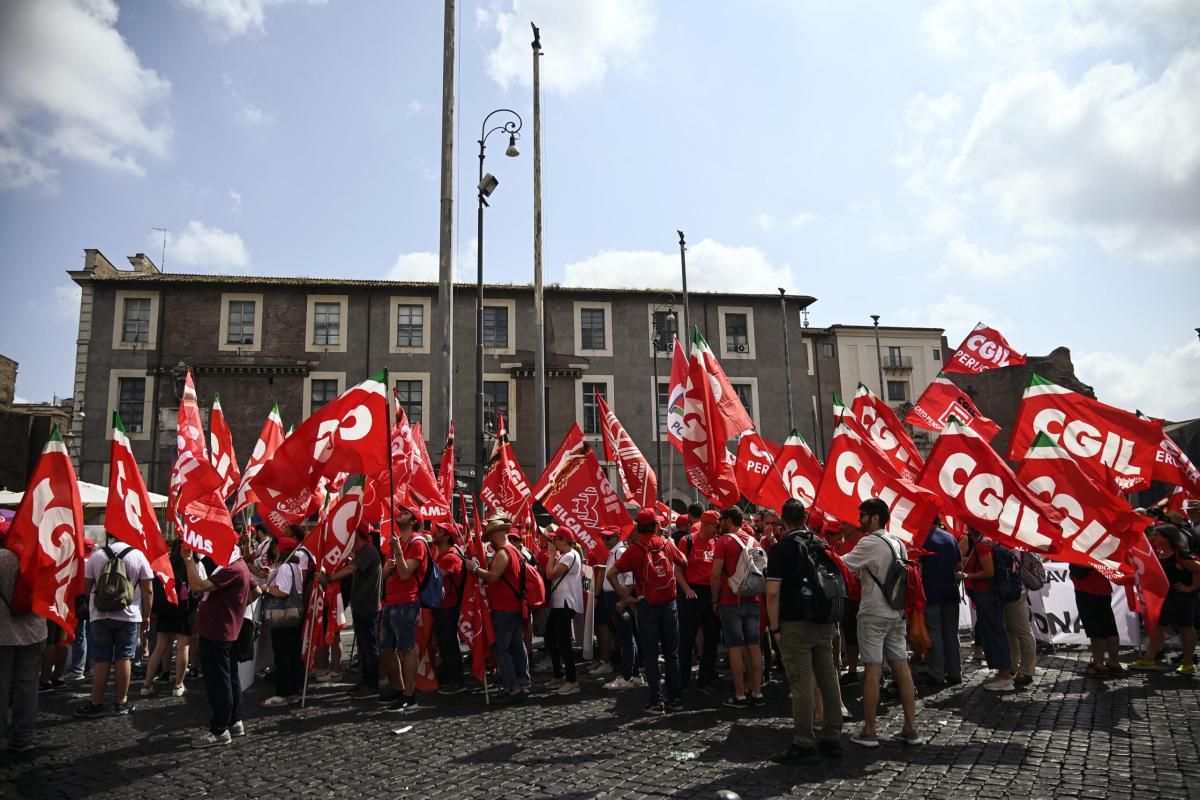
(399, 591)
(634, 558)
(452, 569)
(975, 564)
(726, 548)
(219, 617)
(700, 557)
(1094, 583)
(503, 594)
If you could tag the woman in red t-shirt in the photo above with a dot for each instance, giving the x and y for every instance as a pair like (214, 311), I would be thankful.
(977, 572)
(503, 577)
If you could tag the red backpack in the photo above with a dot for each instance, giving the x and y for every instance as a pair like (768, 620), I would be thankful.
(658, 576)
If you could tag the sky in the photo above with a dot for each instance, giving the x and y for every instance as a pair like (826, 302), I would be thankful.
(1031, 164)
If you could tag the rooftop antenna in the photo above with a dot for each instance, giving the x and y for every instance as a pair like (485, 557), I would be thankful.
(162, 265)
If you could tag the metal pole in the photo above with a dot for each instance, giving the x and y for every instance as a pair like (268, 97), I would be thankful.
(445, 391)
(539, 311)
(787, 359)
(479, 456)
(654, 366)
(879, 358)
(687, 320)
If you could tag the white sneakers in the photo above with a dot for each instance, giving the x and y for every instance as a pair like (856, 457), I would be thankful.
(274, 701)
(237, 729)
(179, 691)
(147, 691)
(568, 688)
(210, 739)
(620, 683)
(601, 669)
(1000, 685)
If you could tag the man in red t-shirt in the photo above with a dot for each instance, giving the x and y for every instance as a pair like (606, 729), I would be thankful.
(405, 564)
(505, 596)
(451, 560)
(696, 611)
(657, 567)
(739, 615)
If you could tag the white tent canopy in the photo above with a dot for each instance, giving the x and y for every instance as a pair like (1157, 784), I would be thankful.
(92, 495)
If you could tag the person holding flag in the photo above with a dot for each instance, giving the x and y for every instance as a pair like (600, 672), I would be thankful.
(503, 576)
(22, 637)
(365, 567)
(1179, 609)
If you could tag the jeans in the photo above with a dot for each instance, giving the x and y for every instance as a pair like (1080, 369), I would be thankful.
(989, 629)
(558, 638)
(660, 625)
(1021, 643)
(445, 624)
(694, 616)
(113, 640)
(625, 624)
(366, 632)
(509, 649)
(289, 668)
(77, 659)
(945, 658)
(807, 651)
(222, 683)
(19, 669)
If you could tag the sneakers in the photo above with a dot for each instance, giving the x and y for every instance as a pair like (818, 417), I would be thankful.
(293, 699)
(601, 670)
(1022, 680)
(757, 700)
(124, 709)
(274, 701)
(210, 739)
(179, 691)
(909, 737)
(566, 687)
(1144, 664)
(620, 683)
(89, 711)
(654, 709)
(147, 691)
(796, 755)
(675, 705)
(404, 704)
(638, 681)
(453, 688)
(864, 739)
(237, 729)
(832, 748)
(1000, 685)
(736, 702)
(1185, 669)
(553, 684)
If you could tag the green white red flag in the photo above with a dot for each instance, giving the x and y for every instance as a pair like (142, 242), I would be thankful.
(983, 349)
(706, 461)
(505, 488)
(46, 535)
(942, 399)
(221, 449)
(736, 420)
(676, 394)
(638, 480)
(194, 494)
(129, 516)
(268, 442)
(883, 426)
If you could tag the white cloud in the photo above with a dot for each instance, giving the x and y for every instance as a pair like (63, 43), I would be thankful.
(235, 201)
(765, 221)
(581, 40)
(802, 219)
(711, 267)
(202, 246)
(246, 111)
(956, 315)
(417, 266)
(413, 108)
(230, 18)
(66, 301)
(71, 87)
(1165, 383)
(965, 258)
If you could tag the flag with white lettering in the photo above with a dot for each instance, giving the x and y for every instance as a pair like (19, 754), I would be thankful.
(883, 426)
(268, 442)
(1171, 465)
(637, 478)
(445, 474)
(706, 461)
(978, 488)
(942, 399)
(736, 419)
(46, 535)
(676, 391)
(221, 449)
(505, 488)
(983, 349)
(335, 535)
(757, 476)
(424, 488)
(129, 516)
(1113, 447)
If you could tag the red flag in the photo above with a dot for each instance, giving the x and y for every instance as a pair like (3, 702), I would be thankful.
(941, 399)
(800, 469)
(1098, 527)
(221, 449)
(883, 426)
(637, 478)
(47, 537)
(1150, 581)
(268, 442)
(505, 488)
(705, 459)
(978, 488)
(1113, 447)
(129, 516)
(983, 349)
(474, 616)
(424, 487)
(1171, 465)
(757, 476)
(335, 536)
(426, 678)
(676, 393)
(576, 492)
(1176, 499)
(737, 420)
(348, 434)
(856, 471)
(446, 468)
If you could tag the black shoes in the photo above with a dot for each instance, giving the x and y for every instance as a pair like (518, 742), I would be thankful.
(796, 755)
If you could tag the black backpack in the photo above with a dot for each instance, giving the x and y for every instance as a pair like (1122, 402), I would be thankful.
(1007, 578)
(822, 593)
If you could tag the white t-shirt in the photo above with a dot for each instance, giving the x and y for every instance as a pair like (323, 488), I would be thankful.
(624, 577)
(285, 576)
(568, 588)
(137, 569)
(873, 556)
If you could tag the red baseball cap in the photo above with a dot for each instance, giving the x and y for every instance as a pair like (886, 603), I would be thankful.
(646, 516)
(710, 516)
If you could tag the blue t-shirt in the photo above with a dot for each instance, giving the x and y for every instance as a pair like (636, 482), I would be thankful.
(937, 570)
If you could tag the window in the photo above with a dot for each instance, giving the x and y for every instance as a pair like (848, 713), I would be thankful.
(897, 391)
(321, 391)
(826, 349)
(664, 397)
(937, 354)
(496, 401)
(137, 321)
(327, 324)
(131, 403)
(593, 423)
(745, 393)
(737, 335)
(411, 395)
(495, 327)
(240, 326)
(410, 326)
(736, 331)
(591, 329)
(893, 355)
(665, 329)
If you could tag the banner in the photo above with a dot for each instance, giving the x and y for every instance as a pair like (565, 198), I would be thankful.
(1055, 616)
(637, 478)
(505, 487)
(942, 399)
(221, 449)
(268, 442)
(706, 461)
(983, 349)
(883, 426)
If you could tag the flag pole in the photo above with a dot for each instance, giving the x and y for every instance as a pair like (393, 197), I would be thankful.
(309, 623)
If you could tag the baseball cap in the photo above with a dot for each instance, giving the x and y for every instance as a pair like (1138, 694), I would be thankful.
(646, 516)
(710, 516)
(610, 530)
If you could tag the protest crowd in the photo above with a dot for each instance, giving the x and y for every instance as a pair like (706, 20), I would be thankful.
(848, 577)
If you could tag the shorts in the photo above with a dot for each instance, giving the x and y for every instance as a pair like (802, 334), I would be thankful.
(1178, 610)
(55, 634)
(400, 627)
(881, 639)
(1096, 614)
(602, 615)
(112, 640)
(739, 625)
(849, 624)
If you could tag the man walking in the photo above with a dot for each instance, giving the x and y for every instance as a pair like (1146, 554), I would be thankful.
(739, 614)
(939, 571)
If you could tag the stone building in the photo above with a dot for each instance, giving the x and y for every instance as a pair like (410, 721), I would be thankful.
(25, 428)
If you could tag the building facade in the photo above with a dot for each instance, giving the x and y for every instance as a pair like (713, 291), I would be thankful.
(256, 341)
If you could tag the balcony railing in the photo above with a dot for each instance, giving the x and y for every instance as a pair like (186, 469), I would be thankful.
(898, 362)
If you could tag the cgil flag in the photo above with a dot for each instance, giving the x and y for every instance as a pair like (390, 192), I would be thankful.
(505, 488)
(737, 420)
(638, 480)
(942, 399)
(706, 462)
(445, 474)
(268, 442)
(883, 427)
(769, 474)
(1171, 465)
(129, 516)
(221, 449)
(676, 393)
(983, 349)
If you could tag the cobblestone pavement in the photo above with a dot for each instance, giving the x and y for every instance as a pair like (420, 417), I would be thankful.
(1067, 736)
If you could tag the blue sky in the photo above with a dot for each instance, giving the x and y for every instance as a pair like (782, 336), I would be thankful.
(1032, 164)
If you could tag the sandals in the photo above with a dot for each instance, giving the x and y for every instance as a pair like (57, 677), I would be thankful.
(1093, 671)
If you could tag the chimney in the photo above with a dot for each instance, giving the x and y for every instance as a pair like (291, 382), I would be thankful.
(143, 265)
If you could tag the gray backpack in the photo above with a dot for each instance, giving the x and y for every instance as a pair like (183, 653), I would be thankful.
(114, 589)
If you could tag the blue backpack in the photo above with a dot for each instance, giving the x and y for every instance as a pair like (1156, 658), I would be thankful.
(433, 585)
(1007, 578)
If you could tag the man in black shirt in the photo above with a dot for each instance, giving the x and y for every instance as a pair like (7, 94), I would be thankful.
(806, 645)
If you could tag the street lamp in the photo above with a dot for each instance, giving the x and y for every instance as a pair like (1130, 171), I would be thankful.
(787, 358)
(487, 185)
(879, 358)
(661, 341)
